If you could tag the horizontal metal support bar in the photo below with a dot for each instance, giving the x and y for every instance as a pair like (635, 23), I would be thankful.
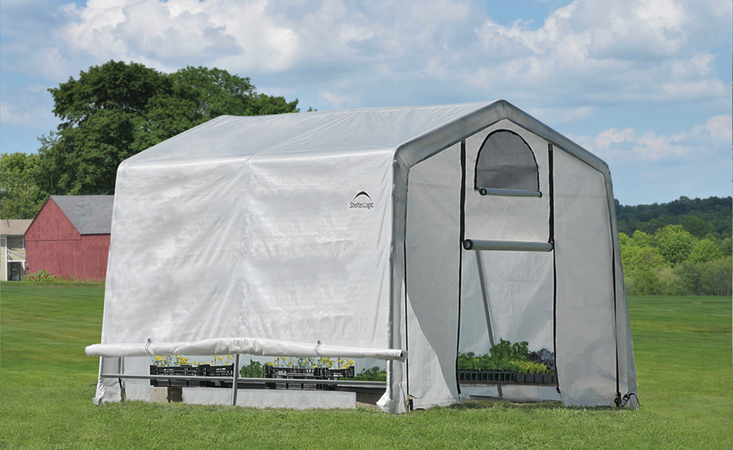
(170, 377)
(507, 246)
(509, 192)
(374, 384)
(502, 383)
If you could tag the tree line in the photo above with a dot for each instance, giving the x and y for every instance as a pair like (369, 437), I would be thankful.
(700, 217)
(116, 110)
(674, 262)
(677, 248)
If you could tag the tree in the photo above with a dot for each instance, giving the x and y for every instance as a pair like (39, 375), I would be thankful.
(696, 226)
(641, 239)
(103, 114)
(691, 275)
(674, 243)
(698, 216)
(117, 110)
(215, 92)
(708, 278)
(641, 265)
(716, 277)
(726, 246)
(705, 250)
(21, 197)
(652, 226)
(623, 240)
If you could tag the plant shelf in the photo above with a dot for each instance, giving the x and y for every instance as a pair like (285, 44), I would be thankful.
(201, 370)
(291, 375)
(505, 377)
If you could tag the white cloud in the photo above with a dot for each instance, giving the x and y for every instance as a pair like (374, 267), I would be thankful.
(583, 54)
(614, 136)
(649, 166)
(256, 35)
(565, 67)
(563, 116)
(164, 32)
(612, 51)
(628, 145)
(718, 130)
(24, 115)
(9, 114)
(337, 100)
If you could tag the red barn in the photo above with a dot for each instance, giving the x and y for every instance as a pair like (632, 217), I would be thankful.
(70, 236)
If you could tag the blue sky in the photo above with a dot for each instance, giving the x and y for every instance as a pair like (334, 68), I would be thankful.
(644, 84)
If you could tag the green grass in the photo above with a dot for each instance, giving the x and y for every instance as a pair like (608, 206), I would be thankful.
(683, 355)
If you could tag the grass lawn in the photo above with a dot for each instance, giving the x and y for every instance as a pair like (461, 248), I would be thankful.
(683, 357)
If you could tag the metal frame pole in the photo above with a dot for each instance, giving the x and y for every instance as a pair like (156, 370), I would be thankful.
(485, 296)
(235, 376)
(487, 308)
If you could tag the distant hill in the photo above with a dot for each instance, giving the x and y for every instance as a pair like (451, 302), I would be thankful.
(700, 217)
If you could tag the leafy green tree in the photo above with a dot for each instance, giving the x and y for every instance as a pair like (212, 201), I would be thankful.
(102, 114)
(216, 92)
(690, 274)
(674, 243)
(116, 110)
(646, 282)
(670, 282)
(21, 197)
(726, 246)
(697, 216)
(652, 226)
(716, 277)
(696, 226)
(705, 250)
(641, 265)
(623, 227)
(641, 239)
(695, 238)
(623, 239)
(708, 278)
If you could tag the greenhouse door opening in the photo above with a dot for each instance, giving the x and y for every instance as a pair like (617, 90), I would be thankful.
(508, 275)
(479, 223)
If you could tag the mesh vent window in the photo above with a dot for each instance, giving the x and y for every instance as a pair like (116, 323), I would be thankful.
(505, 161)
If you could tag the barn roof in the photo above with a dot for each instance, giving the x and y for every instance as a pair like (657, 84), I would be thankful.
(16, 227)
(90, 214)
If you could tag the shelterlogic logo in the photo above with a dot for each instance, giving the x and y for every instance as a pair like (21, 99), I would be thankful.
(362, 200)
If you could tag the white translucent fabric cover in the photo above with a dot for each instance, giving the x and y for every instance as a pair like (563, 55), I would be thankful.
(345, 227)
(275, 227)
(518, 289)
(504, 218)
(433, 241)
(586, 338)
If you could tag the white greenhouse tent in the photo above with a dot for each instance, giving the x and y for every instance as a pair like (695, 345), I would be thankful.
(405, 234)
